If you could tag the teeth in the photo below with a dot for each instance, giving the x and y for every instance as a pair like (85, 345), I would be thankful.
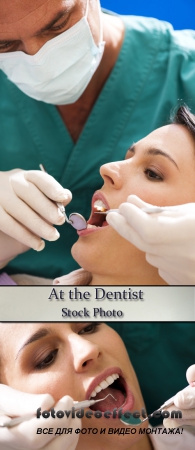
(104, 384)
(100, 206)
(91, 226)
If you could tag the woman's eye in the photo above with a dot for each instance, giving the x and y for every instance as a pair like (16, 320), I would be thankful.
(48, 360)
(151, 175)
(91, 328)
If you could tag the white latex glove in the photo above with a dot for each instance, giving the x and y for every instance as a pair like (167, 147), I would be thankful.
(185, 402)
(167, 238)
(28, 211)
(24, 436)
(79, 277)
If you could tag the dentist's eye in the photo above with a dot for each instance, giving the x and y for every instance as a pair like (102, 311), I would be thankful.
(8, 46)
(151, 175)
(48, 360)
(91, 328)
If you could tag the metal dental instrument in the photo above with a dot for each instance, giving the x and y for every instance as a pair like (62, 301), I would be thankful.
(147, 209)
(87, 403)
(137, 421)
(76, 220)
(166, 404)
(77, 405)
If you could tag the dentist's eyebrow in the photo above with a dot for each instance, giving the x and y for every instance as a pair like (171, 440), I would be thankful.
(40, 334)
(47, 27)
(57, 17)
(155, 151)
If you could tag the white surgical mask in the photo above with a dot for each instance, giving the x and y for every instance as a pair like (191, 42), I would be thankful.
(61, 70)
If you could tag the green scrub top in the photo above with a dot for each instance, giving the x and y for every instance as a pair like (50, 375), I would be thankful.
(155, 72)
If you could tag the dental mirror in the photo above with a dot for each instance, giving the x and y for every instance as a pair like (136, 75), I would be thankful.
(77, 221)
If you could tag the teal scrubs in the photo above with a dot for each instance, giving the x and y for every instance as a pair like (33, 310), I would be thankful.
(155, 72)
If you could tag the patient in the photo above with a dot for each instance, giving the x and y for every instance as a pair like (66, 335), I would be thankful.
(73, 359)
(160, 169)
(66, 359)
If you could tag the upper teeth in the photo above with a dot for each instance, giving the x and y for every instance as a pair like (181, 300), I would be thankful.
(100, 206)
(104, 384)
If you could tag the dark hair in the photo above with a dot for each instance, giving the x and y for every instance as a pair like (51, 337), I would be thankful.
(184, 117)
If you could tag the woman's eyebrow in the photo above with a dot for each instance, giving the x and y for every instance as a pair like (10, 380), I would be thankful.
(35, 337)
(154, 151)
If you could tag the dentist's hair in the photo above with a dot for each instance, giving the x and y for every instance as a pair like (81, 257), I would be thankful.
(184, 117)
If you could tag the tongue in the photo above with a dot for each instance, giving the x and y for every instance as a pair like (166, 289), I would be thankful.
(109, 403)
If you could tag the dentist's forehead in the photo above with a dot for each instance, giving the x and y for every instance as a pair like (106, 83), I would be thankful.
(15, 10)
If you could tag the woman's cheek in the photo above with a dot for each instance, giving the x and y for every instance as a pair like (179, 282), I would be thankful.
(40, 384)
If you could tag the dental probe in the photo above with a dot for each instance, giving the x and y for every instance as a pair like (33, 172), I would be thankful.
(147, 209)
(76, 220)
(77, 405)
(59, 205)
(138, 421)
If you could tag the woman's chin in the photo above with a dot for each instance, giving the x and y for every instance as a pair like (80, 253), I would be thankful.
(83, 255)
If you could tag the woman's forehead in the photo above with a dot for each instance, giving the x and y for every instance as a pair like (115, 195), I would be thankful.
(171, 134)
(173, 139)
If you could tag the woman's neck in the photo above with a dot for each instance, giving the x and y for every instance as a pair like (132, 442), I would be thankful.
(147, 277)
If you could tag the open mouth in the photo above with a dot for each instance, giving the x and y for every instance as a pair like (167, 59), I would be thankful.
(113, 384)
(98, 220)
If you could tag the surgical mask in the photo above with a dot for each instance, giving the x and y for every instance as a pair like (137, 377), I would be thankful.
(61, 70)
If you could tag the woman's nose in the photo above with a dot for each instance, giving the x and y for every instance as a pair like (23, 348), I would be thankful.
(112, 174)
(85, 353)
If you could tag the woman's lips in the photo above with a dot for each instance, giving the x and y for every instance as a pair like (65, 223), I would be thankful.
(97, 222)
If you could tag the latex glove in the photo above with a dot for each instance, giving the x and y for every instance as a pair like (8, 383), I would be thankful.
(10, 248)
(24, 436)
(22, 279)
(79, 277)
(167, 238)
(185, 402)
(28, 211)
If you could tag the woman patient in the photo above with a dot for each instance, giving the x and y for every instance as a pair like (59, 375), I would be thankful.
(160, 169)
(82, 360)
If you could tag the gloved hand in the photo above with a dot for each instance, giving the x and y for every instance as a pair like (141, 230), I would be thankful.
(28, 211)
(79, 277)
(185, 402)
(24, 436)
(10, 248)
(167, 238)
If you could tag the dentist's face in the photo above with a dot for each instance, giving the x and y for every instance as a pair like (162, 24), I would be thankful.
(160, 169)
(27, 25)
(72, 359)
